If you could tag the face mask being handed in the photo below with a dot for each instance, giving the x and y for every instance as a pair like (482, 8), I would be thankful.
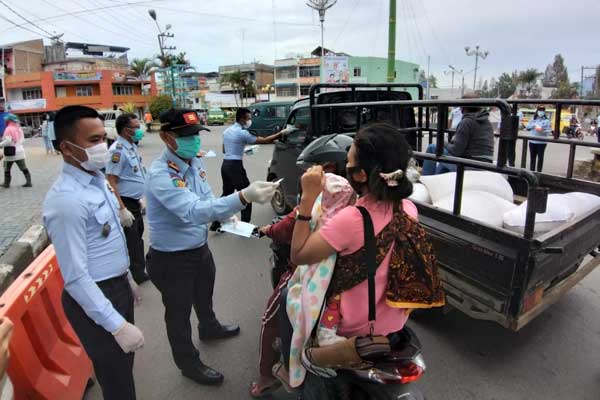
(97, 157)
(188, 146)
(137, 135)
(541, 113)
(248, 124)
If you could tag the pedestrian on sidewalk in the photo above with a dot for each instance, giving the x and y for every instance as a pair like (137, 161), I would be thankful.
(47, 140)
(127, 176)
(180, 264)
(14, 152)
(148, 121)
(81, 215)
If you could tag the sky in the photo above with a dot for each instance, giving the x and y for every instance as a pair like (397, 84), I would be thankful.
(518, 34)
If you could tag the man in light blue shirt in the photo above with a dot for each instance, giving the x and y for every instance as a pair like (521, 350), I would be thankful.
(235, 138)
(127, 176)
(180, 204)
(81, 216)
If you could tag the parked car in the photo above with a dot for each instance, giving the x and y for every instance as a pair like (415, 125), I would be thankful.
(269, 117)
(216, 116)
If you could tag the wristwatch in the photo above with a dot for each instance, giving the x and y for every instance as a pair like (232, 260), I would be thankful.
(300, 217)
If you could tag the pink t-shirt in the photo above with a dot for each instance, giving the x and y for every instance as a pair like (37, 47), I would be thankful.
(345, 233)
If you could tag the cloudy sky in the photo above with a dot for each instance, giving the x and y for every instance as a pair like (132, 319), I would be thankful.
(518, 34)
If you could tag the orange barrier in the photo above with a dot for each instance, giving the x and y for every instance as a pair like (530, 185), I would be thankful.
(47, 361)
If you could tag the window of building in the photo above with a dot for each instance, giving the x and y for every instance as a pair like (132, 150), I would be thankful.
(83, 90)
(357, 71)
(33, 93)
(287, 91)
(286, 73)
(304, 90)
(61, 91)
(310, 71)
(122, 90)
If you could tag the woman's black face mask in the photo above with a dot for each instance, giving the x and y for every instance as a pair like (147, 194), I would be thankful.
(357, 186)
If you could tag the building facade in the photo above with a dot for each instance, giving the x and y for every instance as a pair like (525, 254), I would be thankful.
(53, 82)
(258, 74)
(294, 76)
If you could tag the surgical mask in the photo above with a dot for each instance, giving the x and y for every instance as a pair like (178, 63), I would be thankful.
(138, 134)
(541, 113)
(248, 124)
(97, 157)
(188, 146)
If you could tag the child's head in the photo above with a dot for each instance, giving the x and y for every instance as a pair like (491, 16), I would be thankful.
(337, 194)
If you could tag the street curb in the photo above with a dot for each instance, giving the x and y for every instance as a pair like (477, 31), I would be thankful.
(20, 254)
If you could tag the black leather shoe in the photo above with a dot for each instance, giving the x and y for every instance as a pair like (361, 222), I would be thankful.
(204, 375)
(219, 332)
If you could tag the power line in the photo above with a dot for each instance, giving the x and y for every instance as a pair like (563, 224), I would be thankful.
(88, 10)
(50, 35)
(345, 23)
(17, 26)
(115, 20)
(418, 32)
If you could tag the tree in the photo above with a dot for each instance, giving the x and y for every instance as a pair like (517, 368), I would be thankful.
(565, 90)
(140, 68)
(164, 61)
(160, 103)
(529, 88)
(506, 86)
(556, 73)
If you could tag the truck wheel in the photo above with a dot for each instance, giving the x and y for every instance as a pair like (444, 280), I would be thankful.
(278, 202)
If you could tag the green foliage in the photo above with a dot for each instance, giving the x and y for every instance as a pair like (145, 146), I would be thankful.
(529, 76)
(140, 67)
(506, 86)
(159, 104)
(565, 90)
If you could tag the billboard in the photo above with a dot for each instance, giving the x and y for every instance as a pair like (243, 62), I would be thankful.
(78, 76)
(336, 69)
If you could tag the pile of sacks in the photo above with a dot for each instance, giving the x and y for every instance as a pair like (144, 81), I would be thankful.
(488, 198)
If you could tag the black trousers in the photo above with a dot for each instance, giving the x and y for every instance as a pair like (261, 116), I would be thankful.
(235, 178)
(134, 237)
(113, 368)
(536, 152)
(185, 279)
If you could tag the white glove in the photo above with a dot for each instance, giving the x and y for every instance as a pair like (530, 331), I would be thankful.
(233, 220)
(126, 217)
(135, 290)
(129, 337)
(260, 192)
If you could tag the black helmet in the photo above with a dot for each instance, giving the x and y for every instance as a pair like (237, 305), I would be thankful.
(329, 148)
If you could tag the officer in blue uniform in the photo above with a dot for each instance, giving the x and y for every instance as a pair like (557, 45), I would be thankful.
(127, 176)
(81, 215)
(180, 204)
(235, 138)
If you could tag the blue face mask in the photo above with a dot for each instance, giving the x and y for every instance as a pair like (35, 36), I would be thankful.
(188, 146)
(138, 135)
(541, 113)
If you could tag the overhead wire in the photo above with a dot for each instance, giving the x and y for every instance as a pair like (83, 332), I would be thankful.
(433, 33)
(403, 20)
(50, 34)
(116, 20)
(420, 41)
(83, 11)
(25, 28)
(350, 14)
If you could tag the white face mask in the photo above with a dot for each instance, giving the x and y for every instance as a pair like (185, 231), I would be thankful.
(97, 157)
(248, 124)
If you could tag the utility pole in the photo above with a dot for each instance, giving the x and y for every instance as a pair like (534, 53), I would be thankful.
(453, 71)
(428, 76)
(477, 53)
(161, 43)
(321, 6)
(391, 67)
(583, 69)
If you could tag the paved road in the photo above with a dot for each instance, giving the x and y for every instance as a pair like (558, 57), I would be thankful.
(555, 357)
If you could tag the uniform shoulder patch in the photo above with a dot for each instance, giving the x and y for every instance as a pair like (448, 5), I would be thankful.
(116, 157)
(173, 166)
(177, 181)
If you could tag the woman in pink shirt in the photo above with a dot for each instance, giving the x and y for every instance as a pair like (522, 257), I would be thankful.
(376, 163)
(14, 152)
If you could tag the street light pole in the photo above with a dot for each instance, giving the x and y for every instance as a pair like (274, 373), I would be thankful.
(392, 43)
(321, 6)
(477, 52)
(161, 43)
(453, 71)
